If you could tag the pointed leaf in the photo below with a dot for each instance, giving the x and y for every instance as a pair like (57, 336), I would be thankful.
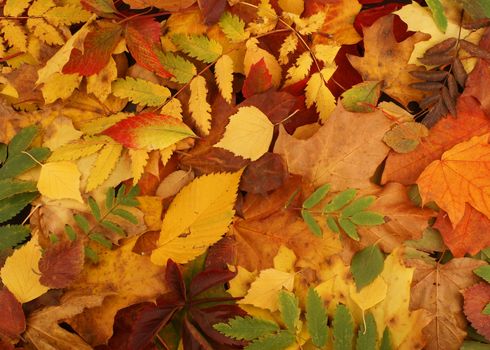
(246, 328)
(316, 318)
(60, 180)
(358, 205)
(367, 218)
(349, 228)
(386, 340)
(11, 187)
(70, 232)
(207, 279)
(223, 71)
(258, 79)
(311, 223)
(367, 335)
(11, 206)
(343, 328)
(288, 306)
(340, 200)
(233, 27)
(125, 215)
(332, 224)
(82, 222)
(198, 106)
(316, 196)
(140, 91)
(366, 265)
(12, 235)
(483, 272)
(22, 140)
(278, 341)
(198, 46)
(181, 69)
(94, 208)
(112, 226)
(21, 163)
(100, 238)
(438, 14)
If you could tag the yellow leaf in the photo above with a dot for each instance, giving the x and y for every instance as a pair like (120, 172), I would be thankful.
(45, 31)
(152, 207)
(60, 132)
(317, 92)
(39, 7)
(14, 34)
(139, 158)
(285, 259)
(60, 86)
(248, 134)
(15, 8)
(60, 180)
(223, 71)
(289, 45)
(198, 106)
(264, 291)
(310, 25)
(105, 163)
(20, 274)
(76, 150)
(300, 69)
(326, 53)
(173, 183)
(140, 91)
(292, 6)
(267, 18)
(254, 54)
(172, 108)
(370, 295)
(197, 217)
(100, 84)
(166, 153)
(66, 15)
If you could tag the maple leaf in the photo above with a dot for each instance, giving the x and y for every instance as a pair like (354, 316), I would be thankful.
(475, 300)
(385, 59)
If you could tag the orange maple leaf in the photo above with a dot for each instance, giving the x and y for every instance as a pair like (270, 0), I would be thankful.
(460, 177)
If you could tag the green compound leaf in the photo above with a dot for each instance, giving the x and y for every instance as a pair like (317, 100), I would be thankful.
(367, 336)
(386, 340)
(140, 91)
(332, 224)
(125, 215)
(94, 208)
(483, 272)
(311, 223)
(21, 162)
(340, 200)
(367, 218)
(10, 207)
(316, 196)
(112, 226)
(246, 328)
(278, 341)
(11, 187)
(316, 318)
(366, 265)
(438, 14)
(12, 235)
(91, 254)
(233, 27)
(358, 205)
(182, 70)
(343, 328)
(22, 140)
(349, 228)
(110, 197)
(478, 9)
(362, 97)
(82, 222)
(198, 46)
(70, 232)
(290, 311)
(100, 238)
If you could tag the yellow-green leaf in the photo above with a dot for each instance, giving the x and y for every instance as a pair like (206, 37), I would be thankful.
(105, 163)
(140, 91)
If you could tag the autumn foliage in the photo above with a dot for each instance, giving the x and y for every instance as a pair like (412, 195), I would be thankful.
(251, 174)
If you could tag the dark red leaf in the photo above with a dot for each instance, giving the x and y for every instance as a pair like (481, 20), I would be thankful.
(97, 49)
(214, 160)
(12, 319)
(258, 79)
(211, 10)
(5, 344)
(221, 254)
(265, 174)
(368, 17)
(475, 300)
(276, 105)
(209, 278)
(173, 276)
(143, 40)
(61, 264)
(193, 339)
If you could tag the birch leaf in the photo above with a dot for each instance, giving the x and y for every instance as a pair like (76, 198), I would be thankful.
(60, 180)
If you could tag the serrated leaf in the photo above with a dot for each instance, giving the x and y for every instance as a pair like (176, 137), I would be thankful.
(149, 131)
(198, 46)
(70, 232)
(483, 272)
(182, 70)
(11, 187)
(112, 226)
(438, 14)
(362, 97)
(289, 309)
(300, 69)
(39, 7)
(82, 222)
(248, 134)
(278, 341)
(246, 328)
(316, 318)
(11, 206)
(289, 45)
(22, 140)
(66, 15)
(197, 217)
(343, 328)
(100, 238)
(12, 235)
(125, 215)
(332, 224)
(367, 218)
(94, 208)
(103, 166)
(386, 340)
(44, 31)
(139, 159)
(21, 163)
(358, 205)
(60, 180)
(233, 27)
(340, 200)
(74, 151)
(366, 265)
(14, 34)
(316, 196)
(223, 71)
(15, 8)
(140, 91)
(367, 335)
(317, 93)
(349, 228)
(198, 106)
(310, 221)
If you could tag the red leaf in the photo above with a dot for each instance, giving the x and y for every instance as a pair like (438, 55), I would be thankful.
(221, 254)
(265, 174)
(142, 39)
(211, 10)
(470, 234)
(368, 17)
(193, 339)
(258, 79)
(12, 319)
(61, 264)
(275, 104)
(475, 300)
(173, 276)
(209, 278)
(97, 49)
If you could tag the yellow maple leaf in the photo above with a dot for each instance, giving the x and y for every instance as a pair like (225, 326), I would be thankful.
(20, 274)
(103, 166)
(223, 71)
(248, 134)
(198, 106)
(139, 158)
(318, 93)
(60, 180)
(60, 86)
(197, 217)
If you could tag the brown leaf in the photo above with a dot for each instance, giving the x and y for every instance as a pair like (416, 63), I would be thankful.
(442, 47)
(436, 60)
(459, 72)
(436, 288)
(211, 10)
(427, 86)
(61, 264)
(265, 174)
(276, 105)
(429, 75)
(474, 50)
(12, 319)
(475, 300)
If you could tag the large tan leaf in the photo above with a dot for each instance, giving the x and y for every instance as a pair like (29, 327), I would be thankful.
(345, 152)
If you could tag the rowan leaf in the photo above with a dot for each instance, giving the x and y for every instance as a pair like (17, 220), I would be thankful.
(367, 334)
(289, 309)
(66, 15)
(316, 318)
(246, 328)
(317, 93)
(181, 69)
(223, 71)
(198, 106)
(15, 8)
(310, 221)
(14, 34)
(233, 27)
(198, 46)
(483, 272)
(343, 328)
(278, 341)
(300, 69)
(60, 180)
(76, 150)
(140, 91)
(12, 235)
(437, 10)
(186, 233)
(103, 166)
(316, 196)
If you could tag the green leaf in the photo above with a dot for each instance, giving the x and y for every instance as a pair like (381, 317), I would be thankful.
(486, 310)
(246, 328)
(311, 223)
(140, 91)
(367, 218)
(21, 162)
(483, 272)
(367, 336)
(91, 254)
(70, 232)
(10, 187)
(112, 226)
(478, 9)
(3, 152)
(386, 340)
(473, 345)
(22, 140)
(291, 198)
(125, 215)
(288, 306)
(362, 97)
(233, 27)
(278, 341)
(53, 238)
(332, 224)
(343, 328)
(12, 206)
(340, 200)
(349, 228)
(182, 70)
(12, 235)
(121, 192)
(110, 198)
(358, 205)
(316, 318)
(82, 222)
(100, 238)
(316, 196)
(198, 46)
(94, 208)
(366, 265)
(438, 15)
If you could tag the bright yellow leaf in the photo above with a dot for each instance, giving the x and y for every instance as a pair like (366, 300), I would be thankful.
(285, 259)
(76, 150)
(198, 106)
(248, 134)
(100, 84)
(20, 274)
(300, 69)
(14, 34)
(293, 6)
(318, 93)
(172, 108)
(15, 8)
(223, 71)
(60, 86)
(197, 217)
(105, 163)
(370, 295)
(45, 31)
(59, 133)
(289, 45)
(60, 180)
(139, 158)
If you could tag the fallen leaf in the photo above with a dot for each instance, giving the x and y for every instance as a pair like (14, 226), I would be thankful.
(258, 79)
(475, 300)
(60, 180)
(61, 264)
(405, 137)
(265, 174)
(255, 54)
(12, 319)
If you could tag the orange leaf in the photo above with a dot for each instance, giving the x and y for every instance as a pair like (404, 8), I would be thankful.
(460, 177)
